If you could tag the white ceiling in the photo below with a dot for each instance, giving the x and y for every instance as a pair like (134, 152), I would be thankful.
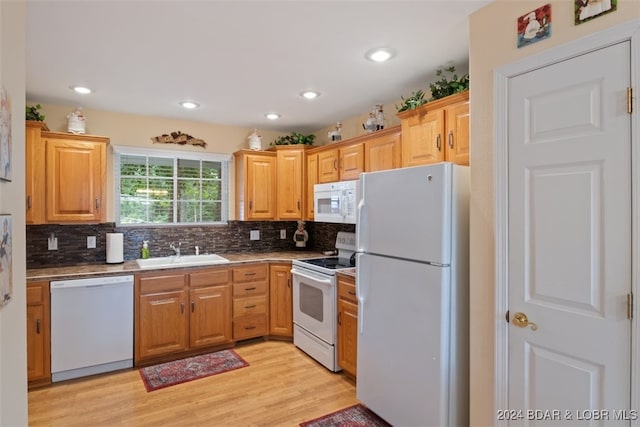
(241, 59)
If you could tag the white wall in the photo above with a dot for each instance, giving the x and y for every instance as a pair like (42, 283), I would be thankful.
(493, 44)
(13, 347)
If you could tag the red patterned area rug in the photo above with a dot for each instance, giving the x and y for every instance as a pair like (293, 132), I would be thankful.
(180, 371)
(353, 416)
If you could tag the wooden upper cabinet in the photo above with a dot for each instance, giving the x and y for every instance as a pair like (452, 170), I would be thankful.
(351, 161)
(328, 165)
(290, 167)
(311, 180)
(437, 131)
(382, 150)
(342, 163)
(75, 170)
(34, 166)
(457, 119)
(255, 185)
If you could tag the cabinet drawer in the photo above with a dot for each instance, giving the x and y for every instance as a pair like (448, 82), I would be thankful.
(35, 295)
(250, 272)
(347, 290)
(249, 305)
(209, 278)
(155, 284)
(250, 326)
(249, 289)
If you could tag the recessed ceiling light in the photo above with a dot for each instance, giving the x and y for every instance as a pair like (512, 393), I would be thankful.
(272, 116)
(81, 89)
(380, 54)
(310, 94)
(189, 105)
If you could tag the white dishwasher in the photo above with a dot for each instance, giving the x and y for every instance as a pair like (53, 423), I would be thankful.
(91, 326)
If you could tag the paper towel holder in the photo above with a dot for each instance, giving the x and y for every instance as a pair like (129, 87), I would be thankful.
(115, 248)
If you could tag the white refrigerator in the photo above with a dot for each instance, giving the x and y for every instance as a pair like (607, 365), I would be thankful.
(413, 290)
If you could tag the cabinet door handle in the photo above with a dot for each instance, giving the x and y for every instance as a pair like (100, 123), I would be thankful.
(250, 306)
(29, 202)
(181, 308)
(38, 326)
(298, 204)
(251, 273)
(439, 143)
(193, 306)
(340, 318)
(335, 164)
(340, 163)
(97, 204)
(352, 292)
(250, 289)
(250, 204)
(289, 282)
(451, 139)
(249, 327)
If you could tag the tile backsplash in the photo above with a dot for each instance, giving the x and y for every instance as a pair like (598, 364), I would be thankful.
(232, 237)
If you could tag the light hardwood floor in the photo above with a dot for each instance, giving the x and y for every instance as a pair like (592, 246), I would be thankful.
(282, 386)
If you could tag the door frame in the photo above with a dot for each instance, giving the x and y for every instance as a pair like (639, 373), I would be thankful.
(629, 31)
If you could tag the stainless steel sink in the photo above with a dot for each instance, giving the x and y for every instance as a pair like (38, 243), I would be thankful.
(181, 261)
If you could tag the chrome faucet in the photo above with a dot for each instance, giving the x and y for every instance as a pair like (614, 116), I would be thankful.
(176, 250)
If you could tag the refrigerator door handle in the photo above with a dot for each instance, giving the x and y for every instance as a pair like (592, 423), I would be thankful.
(361, 224)
(360, 295)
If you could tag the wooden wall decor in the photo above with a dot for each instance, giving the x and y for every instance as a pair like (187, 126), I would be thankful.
(180, 138)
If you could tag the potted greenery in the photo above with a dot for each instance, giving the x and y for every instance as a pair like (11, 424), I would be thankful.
(439, 89)
(293, 139)
(32, 113)
(412, 102)
(445, 87)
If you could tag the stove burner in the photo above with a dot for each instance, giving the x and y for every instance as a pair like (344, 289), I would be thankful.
(332, 263)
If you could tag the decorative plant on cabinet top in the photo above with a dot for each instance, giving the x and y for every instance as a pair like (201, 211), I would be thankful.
(293, 139)
(439, 89)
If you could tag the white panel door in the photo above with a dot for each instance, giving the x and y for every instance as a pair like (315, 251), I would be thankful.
(569, 239)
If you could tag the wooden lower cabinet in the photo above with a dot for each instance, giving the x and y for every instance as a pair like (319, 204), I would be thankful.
(38, 334)
(250, 301)
(347, 325)
(280, 300)
(177, 312)
(209, 308)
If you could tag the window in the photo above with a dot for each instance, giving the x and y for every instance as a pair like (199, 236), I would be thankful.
(165, 187)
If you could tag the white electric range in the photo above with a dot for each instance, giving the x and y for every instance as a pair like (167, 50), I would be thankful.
(315, 299)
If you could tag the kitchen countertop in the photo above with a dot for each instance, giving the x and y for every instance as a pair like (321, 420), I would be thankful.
(131, 267)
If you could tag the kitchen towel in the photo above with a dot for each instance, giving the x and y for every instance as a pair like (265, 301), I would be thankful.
(115, 244)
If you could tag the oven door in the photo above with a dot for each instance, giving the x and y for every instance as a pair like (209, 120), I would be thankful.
(314, 301)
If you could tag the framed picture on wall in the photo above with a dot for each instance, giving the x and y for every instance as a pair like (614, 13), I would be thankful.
(5, 135)
(586, 10)
(534, 26)
(6, 264)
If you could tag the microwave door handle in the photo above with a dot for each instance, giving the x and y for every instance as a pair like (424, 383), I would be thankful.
(343, 204)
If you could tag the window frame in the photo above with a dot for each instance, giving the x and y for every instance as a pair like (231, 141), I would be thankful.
(224, 159)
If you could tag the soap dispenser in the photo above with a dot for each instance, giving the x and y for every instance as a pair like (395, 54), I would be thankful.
(144, 252)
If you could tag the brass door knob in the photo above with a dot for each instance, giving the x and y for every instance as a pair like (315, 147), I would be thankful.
(521, 320)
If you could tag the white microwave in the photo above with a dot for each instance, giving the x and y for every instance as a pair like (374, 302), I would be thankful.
(336, 202)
